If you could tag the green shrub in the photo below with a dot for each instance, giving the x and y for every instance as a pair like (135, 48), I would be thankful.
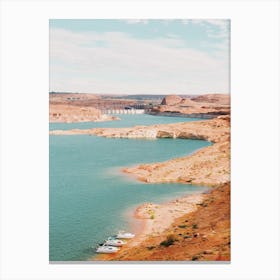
(195, 258)
(169, 240)
(182, 226)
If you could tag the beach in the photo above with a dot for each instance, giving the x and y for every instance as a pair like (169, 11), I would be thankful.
(155, 219)
(192, 225)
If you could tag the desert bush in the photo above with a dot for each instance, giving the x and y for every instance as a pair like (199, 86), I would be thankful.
(195, 258)
(182, 226)
(169, 240)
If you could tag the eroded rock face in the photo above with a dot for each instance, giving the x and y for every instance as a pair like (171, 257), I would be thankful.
(188, 102)
(165, 134)
(190, 135)
(171, 100)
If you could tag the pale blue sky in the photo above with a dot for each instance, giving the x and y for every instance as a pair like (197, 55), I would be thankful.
(139, 56)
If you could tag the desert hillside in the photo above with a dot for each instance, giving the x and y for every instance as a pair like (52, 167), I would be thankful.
(222, 99)
(70, 113)
(205, 106)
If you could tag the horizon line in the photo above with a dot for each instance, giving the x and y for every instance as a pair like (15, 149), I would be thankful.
(70, 92)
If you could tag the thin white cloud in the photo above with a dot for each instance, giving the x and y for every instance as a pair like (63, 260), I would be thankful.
(216, 22)
(222, 26)
(146, 21)
(130, 65)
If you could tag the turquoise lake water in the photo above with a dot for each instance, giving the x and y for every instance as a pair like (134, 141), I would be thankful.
(90, 197)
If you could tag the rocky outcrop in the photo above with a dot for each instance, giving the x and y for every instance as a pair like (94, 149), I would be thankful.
(203, 106)
(70, 113)
(211, 130)
(171, 100)
(188, 102)
(208, 166)
(165, 134)
(222, 99)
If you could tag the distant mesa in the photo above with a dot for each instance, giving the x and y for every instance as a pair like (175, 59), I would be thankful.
(171, 100)
(222, 99)
(188, 102)
(217, 98)
(202, 106)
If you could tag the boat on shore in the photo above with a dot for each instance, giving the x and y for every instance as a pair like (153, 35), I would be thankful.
(114, 242)
(104, 249)
(125, 235)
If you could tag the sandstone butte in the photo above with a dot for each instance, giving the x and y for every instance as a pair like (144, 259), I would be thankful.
(207, 105)
(194, 228)
(70, 113)
(171, 100)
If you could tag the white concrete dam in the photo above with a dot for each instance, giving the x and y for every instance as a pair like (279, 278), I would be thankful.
(123, 111)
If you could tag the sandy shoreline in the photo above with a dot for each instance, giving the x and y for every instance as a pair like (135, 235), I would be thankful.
(158, 217)
(152, 219)
(197, 230)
